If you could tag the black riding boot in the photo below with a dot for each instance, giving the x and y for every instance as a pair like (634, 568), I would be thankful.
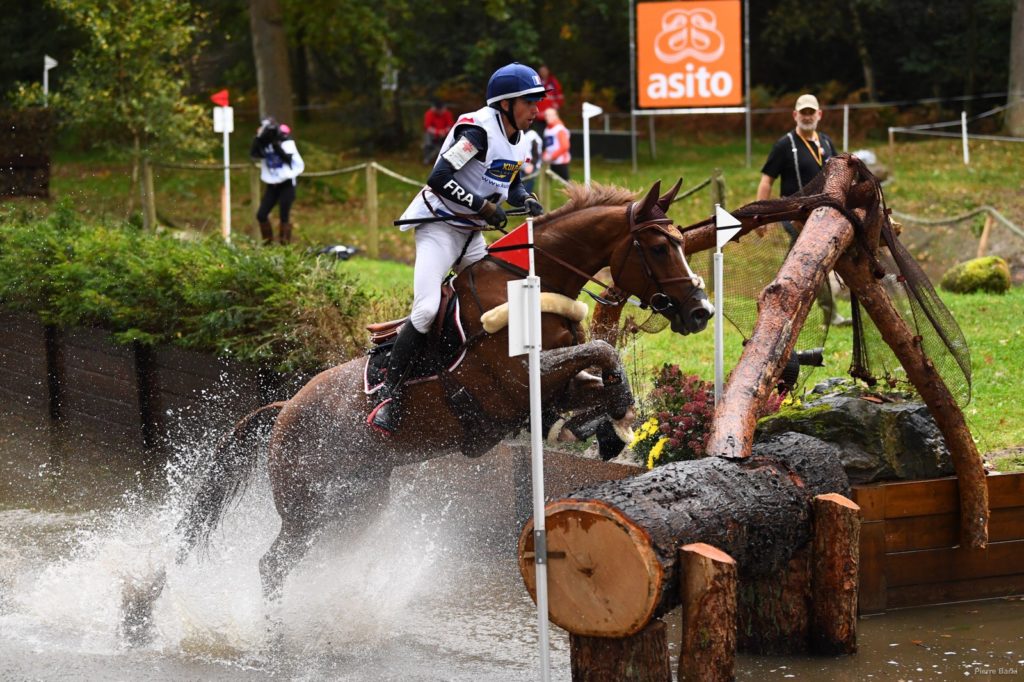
(387, 415)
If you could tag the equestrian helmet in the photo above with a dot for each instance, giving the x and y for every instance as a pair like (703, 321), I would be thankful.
(515, 80)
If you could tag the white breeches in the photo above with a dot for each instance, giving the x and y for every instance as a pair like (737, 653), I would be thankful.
(437, 248)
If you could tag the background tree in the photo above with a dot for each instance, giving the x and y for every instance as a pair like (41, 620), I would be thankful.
(1015, 115)
(126, 85)
(270, 51)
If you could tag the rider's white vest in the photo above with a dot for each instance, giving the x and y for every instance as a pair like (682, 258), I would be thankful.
(489, 178)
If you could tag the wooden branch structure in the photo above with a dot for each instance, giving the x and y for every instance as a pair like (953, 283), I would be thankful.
(828, 242)
(708, 590)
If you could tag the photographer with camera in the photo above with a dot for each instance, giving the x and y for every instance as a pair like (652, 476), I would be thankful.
(280, 165)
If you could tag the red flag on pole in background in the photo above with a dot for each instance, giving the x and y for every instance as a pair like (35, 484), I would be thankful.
(513, 248)
(220, 98)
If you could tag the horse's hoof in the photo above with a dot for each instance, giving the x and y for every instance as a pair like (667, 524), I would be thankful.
(137, 608)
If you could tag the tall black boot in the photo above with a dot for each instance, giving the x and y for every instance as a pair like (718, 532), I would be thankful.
(387, 415)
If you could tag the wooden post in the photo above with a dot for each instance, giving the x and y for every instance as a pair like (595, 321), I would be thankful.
(985, 232)
(835, 563)
(708, 593)
(773, 610)
(373, 247)
(254, 193)
(717, 189)
(892, 145)
(545, 187)
(642, 657)
(148, 197)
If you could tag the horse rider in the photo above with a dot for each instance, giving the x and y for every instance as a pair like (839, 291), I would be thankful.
(477, 170)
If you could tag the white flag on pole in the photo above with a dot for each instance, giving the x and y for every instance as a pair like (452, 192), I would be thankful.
(726, 226)
(49, 62)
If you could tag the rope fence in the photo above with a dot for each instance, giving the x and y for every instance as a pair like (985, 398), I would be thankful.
(931, 130)
(992, 215)
(545, 177)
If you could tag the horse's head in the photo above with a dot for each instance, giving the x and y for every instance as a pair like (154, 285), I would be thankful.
(650, 265)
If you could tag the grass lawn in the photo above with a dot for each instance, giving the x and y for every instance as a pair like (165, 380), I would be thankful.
(927, 178)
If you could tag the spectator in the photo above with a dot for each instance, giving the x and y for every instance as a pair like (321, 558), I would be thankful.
(437, 121)
(534, 163)
(555, 99)
(280, 165)
(477, 170)
(556, 144)
(797, 157)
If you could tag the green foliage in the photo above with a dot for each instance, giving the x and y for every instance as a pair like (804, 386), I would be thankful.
(273, 306)
(127, 84)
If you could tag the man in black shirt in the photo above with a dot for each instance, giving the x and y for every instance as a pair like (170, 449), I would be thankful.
(797, 157)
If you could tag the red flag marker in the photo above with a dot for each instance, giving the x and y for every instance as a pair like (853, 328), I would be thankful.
(220, 98)
(506, 248)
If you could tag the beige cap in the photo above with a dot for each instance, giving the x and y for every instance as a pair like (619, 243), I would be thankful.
(806, 102)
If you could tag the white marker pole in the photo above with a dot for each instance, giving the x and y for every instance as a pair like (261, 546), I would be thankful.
(726, 227)
(48, 63)
(224, 122)
(589, 112)
(540, 545)
(963, 134)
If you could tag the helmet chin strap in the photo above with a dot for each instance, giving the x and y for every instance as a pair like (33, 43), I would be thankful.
(508, 113)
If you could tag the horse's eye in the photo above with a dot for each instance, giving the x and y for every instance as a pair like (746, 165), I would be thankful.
(660, 250)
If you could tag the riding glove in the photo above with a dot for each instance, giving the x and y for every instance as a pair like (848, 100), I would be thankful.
(493, 214)
(533, 206)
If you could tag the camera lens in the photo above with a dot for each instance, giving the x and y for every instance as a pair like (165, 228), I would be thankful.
(812, 357)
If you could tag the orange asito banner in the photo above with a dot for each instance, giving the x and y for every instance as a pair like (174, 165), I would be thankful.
(689, 54)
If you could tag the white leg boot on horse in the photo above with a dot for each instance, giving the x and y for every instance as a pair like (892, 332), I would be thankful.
(387, 416)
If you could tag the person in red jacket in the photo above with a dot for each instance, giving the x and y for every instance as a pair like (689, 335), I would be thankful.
(437, 121)
(554, 100)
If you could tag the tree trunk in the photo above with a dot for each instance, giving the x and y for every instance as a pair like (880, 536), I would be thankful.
(613, 548)
(642, 657)
(1015, 98)
(862, 52)
(270, 50)
(774, 610)
(708, 592)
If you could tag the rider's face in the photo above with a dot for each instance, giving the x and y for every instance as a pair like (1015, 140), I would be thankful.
(524, 112)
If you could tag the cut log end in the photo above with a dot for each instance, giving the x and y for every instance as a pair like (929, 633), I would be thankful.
(604, 578)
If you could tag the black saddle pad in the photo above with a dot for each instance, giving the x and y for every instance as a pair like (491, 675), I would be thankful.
(444, 349)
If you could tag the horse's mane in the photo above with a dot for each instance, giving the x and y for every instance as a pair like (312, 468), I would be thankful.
(581, 197)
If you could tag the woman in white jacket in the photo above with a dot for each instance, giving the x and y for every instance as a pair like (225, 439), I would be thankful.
(280, 164)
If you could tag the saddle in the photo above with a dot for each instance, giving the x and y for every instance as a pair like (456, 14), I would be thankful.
(444, 345)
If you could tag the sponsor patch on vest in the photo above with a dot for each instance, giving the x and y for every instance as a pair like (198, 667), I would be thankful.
(503, 170)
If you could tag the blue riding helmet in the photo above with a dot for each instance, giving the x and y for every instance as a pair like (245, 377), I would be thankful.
(515, 80)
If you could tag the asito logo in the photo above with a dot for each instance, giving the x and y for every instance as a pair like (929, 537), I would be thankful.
(689, 53)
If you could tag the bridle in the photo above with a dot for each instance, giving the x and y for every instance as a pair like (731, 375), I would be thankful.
(659, 301)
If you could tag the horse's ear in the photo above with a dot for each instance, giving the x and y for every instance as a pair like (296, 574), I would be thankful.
(643, 209)
(666, 199)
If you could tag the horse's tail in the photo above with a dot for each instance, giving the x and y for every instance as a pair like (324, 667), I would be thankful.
(226, 475)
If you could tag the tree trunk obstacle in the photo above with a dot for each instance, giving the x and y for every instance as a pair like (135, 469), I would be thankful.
(615, 563)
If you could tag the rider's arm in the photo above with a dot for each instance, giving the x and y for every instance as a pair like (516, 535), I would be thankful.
(517, 194)
(470, 142)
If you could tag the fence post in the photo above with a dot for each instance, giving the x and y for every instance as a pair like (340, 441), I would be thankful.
(892, 145)
(544, 187)
(373, 248)
(148, 197)
(254, 193)
(985, 232)
(717, 189)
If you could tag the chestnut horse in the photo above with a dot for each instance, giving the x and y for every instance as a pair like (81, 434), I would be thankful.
(326, 463)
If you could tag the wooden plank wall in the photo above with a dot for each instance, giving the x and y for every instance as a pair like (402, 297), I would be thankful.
(23, 365)
(99, 387)
(910, 553)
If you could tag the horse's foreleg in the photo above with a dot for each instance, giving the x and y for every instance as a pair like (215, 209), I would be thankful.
(291, 544)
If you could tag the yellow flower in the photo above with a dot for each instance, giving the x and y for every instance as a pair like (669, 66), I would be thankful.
(655, 452)
(649, 428)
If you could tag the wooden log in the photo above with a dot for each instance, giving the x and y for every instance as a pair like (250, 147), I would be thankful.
(708, 594)
(642, 657)
(614, 547)
(835, 561)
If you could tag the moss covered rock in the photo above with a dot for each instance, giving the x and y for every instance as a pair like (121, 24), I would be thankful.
(880, 437)
(990, 274)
